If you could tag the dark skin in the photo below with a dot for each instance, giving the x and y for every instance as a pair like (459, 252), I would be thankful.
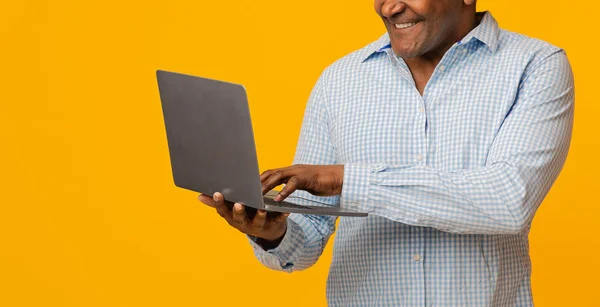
(421, 31)
(323, 180)
(269, 230)
(440, 24)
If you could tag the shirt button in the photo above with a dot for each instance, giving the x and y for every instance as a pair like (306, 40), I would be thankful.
(417, 257)
(420, 157)
(421, 110)
(464, 51)
(442, 68)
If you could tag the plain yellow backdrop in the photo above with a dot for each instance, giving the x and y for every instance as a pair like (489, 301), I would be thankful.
(89, 215)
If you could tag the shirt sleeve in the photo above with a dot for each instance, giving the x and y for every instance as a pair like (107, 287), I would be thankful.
(501, 197)
(306, 235)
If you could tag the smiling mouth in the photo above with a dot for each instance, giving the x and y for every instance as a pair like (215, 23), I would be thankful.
(405, 25)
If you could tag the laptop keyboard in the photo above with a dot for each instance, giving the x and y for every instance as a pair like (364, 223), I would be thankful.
(270, 201)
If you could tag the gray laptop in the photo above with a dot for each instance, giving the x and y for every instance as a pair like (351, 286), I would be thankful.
(211, 143)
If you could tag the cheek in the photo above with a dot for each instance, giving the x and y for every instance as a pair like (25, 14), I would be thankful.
(420, 7)
(437, 23)
(443, 26)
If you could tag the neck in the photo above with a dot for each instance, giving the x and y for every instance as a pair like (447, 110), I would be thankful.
(422, 67)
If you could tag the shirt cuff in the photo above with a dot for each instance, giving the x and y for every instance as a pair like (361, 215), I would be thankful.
(282, 257)
(357, 181)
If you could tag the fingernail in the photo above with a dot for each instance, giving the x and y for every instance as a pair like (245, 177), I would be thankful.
(277, 198)
(262, 213)
(286, 214)
(237, 207)
(215, 197)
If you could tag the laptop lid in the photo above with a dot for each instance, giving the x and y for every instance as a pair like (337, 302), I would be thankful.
(210, 138)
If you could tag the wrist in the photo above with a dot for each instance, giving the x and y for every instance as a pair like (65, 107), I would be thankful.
(339, 179)
(270, 243)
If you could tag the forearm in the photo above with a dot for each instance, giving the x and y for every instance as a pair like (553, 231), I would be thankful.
(490, 200)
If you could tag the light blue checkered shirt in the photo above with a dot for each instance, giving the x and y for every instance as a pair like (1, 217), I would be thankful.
(451, 179)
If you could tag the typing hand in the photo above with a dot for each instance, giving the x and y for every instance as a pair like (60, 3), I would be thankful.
(320, 180)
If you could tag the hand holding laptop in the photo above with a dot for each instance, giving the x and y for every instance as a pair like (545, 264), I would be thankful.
(322, 180)
(270, 227)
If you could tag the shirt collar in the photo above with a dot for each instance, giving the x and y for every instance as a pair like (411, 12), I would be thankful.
(486, 32)
(376, 47)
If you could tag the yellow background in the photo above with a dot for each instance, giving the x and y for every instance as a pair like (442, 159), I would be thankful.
(89, 215)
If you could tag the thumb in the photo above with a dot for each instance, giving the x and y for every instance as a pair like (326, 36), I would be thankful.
(205, 199)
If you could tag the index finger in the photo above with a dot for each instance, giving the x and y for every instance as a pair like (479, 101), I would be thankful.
(219, 204)
(268, 173)
(279, 176)
(265, 175)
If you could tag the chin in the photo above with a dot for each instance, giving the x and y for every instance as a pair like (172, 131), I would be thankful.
(406, 53)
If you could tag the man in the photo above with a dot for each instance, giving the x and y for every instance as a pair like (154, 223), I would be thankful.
(449, 132)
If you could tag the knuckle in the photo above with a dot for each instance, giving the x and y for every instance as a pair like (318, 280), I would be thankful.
(259, 218)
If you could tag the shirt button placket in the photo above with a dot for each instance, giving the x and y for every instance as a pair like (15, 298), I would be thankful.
(422, 134)
(418, 261)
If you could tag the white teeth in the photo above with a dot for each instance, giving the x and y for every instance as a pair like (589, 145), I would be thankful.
(405, 25)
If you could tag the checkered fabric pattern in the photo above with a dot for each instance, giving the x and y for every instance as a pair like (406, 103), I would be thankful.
(451, 179)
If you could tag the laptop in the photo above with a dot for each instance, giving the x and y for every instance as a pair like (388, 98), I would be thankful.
(211, 144)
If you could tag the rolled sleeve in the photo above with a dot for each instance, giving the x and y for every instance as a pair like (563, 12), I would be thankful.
(282, 257)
